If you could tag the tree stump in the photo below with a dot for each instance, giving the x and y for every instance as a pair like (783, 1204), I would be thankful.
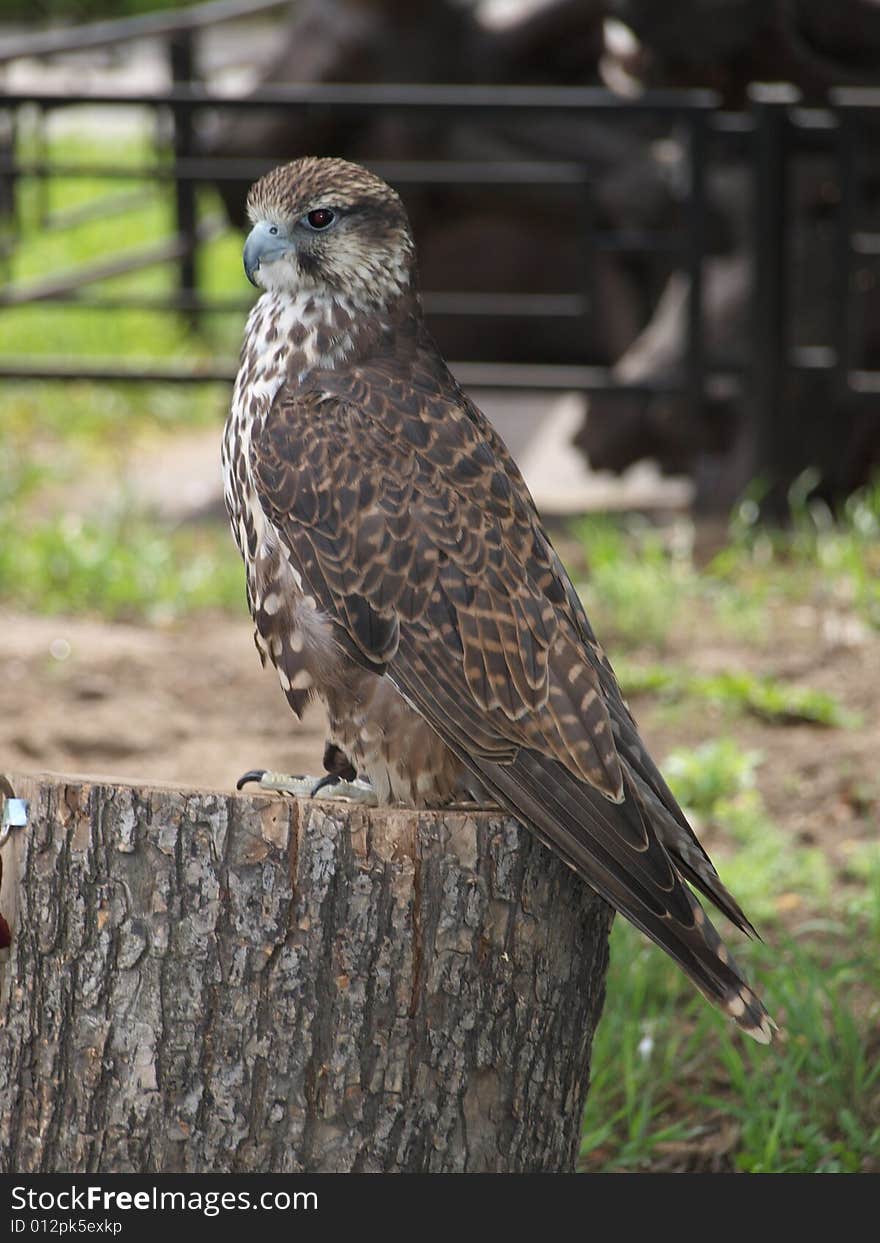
(203, 982)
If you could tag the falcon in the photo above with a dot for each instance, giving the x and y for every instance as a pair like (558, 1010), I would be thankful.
(397, 570)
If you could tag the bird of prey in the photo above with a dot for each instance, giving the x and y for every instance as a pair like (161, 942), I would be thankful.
(398, 570)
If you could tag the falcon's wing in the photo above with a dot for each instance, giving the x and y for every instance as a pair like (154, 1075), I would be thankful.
(415, 533)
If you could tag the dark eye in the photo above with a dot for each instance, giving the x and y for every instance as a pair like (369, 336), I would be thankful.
(320, 218)
(273, 229)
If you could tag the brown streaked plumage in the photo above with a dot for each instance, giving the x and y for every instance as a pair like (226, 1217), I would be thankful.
(397, 569)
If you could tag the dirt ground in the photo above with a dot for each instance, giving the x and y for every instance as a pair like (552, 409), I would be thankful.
(185, 706)
(190, 706)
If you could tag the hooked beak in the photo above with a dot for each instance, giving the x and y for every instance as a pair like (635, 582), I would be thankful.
(263, 246)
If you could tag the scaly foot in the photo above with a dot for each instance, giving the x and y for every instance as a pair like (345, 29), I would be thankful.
(328, 787)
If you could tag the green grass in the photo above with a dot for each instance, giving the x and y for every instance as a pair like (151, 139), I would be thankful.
(674, 1084)
(637, 584)
(683, 1087)
(78, 420)
(71, 425)
(642, 583)
(145, 218)
(109, 559)
(121, 566)
(737, 691)
(830, 558)
(680, 1085)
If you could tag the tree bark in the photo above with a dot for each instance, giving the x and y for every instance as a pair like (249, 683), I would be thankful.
(203, 982)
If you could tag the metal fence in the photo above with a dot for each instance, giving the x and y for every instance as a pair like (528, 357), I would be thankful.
(783, 131)
(771, 133)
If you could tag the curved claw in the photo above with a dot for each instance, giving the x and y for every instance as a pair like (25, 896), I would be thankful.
(357, 791)
(329, 779)
(253, 774)
(305, 787)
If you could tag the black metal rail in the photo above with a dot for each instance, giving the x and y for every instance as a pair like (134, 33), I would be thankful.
(772, 134)
(187, 170)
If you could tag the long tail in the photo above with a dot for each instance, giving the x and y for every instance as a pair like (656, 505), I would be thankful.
(615, 851)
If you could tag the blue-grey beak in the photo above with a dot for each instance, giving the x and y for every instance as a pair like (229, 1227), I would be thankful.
(263, 246)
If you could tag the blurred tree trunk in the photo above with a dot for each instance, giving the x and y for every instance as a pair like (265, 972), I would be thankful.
(202, 982)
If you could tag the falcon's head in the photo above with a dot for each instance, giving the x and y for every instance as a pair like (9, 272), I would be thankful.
(327, 226)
